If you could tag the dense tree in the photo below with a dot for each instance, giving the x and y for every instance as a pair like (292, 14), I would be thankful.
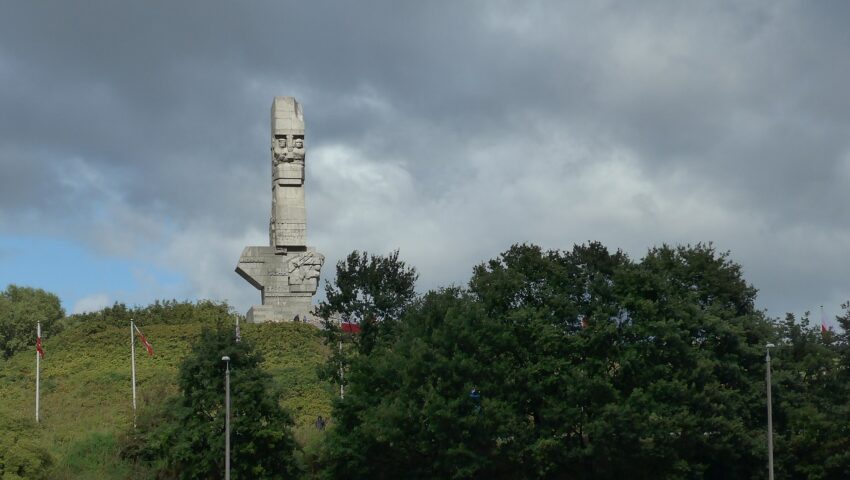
(588, 365)
(811, 411)
(687, 368)
(371, 291)
(20, 309)
(407, 413)
(189, 435)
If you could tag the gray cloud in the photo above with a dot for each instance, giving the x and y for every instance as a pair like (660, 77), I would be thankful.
(450, 130)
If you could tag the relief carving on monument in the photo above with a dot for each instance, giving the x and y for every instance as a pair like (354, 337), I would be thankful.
(304, 271)
(288, 162)
(298, 151)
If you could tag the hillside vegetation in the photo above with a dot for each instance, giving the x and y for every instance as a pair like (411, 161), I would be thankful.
(86, 407)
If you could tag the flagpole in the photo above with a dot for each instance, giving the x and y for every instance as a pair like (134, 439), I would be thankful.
(769, 413)
(37, 372)
(341, 373)
(133, 367)
(226, 359)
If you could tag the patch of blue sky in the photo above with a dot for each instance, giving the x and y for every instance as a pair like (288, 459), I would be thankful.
(74, 272)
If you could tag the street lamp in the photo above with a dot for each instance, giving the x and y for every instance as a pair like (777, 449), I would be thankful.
(769, 413)
(226, 359)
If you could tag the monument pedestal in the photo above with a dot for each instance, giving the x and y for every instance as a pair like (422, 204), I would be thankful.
(282, 313)
(287, 282)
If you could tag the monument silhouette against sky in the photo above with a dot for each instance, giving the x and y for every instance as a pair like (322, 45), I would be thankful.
(287, 271)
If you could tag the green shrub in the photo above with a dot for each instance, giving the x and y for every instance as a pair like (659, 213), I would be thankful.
(21, 454)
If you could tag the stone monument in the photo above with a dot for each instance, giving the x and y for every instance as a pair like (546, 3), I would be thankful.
(287, 271)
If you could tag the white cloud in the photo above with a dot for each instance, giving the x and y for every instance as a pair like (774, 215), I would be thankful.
(92, 303)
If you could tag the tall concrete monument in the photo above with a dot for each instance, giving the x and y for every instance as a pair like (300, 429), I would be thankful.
(287, 271)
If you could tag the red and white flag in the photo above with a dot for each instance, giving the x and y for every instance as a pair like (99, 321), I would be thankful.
(38, 347)
(823, 328)
(145, 341)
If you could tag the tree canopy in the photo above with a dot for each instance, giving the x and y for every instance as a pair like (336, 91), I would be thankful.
(588, 365)
(371, 291)
(187, 436)
(20, 309)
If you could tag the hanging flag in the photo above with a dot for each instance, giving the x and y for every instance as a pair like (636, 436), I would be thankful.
(823, 328)
(38, 357)
(350, 327)
(145, 342)
(38, 346)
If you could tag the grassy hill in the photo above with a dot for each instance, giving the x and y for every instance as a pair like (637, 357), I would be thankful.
(86, 391)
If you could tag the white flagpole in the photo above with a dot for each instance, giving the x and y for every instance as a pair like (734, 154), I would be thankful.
(37, 371)
(133, 363)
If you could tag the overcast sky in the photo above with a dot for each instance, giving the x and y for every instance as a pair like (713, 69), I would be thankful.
(134, 161)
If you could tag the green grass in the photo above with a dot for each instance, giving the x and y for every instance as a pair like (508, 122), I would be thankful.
(86, 400)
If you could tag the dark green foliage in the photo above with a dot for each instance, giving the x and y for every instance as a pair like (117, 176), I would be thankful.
(664, 381)
(372, 291)
(189, 436)
(369, 290)
(408, 413)
(687, 368)
(811, 387)
(369, 287)
(94, 452)
(20, 309)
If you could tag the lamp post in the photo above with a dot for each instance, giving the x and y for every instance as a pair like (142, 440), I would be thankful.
(226, 359)
(769, 413)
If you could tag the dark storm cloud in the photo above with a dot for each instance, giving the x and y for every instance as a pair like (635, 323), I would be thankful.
(501, 122)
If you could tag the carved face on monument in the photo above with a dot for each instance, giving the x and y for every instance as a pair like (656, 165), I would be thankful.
(281, 142)
(299, 143)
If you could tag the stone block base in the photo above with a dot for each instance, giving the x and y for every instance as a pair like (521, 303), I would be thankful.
(281, 313)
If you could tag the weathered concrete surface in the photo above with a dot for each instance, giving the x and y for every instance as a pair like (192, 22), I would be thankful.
(287, 271)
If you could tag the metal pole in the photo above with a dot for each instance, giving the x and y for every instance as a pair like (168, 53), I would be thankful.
(37, 372)
(133, 367)
(227, 419)
(769, 415)
(341, 374)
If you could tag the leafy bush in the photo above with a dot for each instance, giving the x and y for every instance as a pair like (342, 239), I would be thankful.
(21, 455)
(20, 309)
(164, 312)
